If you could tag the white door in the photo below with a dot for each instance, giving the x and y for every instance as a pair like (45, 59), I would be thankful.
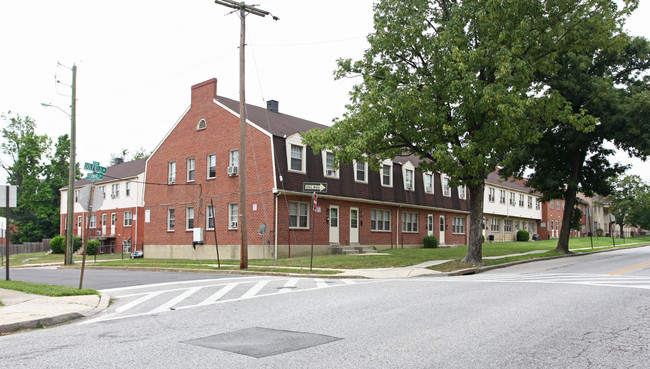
(354, 225)
(334, 224)
(80, 226)
(113, 221)
(442, 230)
(103, 224)
(430, 224)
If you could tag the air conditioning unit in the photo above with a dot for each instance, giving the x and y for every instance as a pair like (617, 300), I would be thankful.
(232, 171)
(112, 196)
(330, 172)
(409, 187)
(233, 224)
(429, 189)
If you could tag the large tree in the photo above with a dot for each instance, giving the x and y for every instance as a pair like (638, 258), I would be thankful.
(454, 83)
(607, 82)
(626, 198)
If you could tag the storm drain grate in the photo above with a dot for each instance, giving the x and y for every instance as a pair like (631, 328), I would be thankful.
(262, 342)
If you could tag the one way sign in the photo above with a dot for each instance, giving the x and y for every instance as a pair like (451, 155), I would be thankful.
(314, 187)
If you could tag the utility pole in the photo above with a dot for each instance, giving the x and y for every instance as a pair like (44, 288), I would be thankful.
(243, 10)
(69, 238)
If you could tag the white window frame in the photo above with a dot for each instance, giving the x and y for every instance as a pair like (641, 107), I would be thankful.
(462, 193)
(507, 225)
(211, 159)
(491, 192)
(171, 172)
(189, 216)
(127, 189)
(513, 199)
(232, 157)
(199, 126)
(380, 220)
(428, 181)
(103, 189)
(495, 224)
(296, 140)
(521, 201)
(301, 212)
(171, 219)
(446, 190)
(328, 168)
(209, 214)
(233, 215)
(93, 221)
(191, 169)
(115, 191)
(128, 219)
(538, 204)
(502, 196)
(530, 202)
(77, 193)
(410, 220)
(355, 166)
(386, 164)
(458, 225)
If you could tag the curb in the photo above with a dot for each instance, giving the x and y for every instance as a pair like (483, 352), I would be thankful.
(39, 323)
(477, 270)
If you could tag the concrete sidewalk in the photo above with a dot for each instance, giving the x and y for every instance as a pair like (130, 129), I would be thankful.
(25, 311)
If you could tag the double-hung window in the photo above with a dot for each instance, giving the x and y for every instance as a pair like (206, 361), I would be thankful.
(410, 222)
(190, 169)
(212, 165)
(115, 190)
(360, 171)
(233, 216)
(513, 202)
(330, 171)
(521, 200)
(507, 225)
(530, 202)
(461, 192)
(386, 175)
(298, 215)
(189, 218)
(128, 189)
(380, 220)
(171, 173)
(209, 217)
(171, 219)
(296, 157)
(128, 218)
(502, 196)
(490, 194)
(428, 182)
(446, 190)
(408, 180)
(458, 225)
(494, 224)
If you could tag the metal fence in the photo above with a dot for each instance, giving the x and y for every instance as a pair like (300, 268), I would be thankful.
(27, 247)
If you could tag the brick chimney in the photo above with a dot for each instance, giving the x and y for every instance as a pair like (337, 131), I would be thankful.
(204, 92)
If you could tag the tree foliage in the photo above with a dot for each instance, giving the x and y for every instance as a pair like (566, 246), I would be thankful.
(38, 173)
(456, 83)
(141, 153)
(626, 202)
(604, 82)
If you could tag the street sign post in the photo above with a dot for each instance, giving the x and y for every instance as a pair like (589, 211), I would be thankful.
(320, 187)
(95, 167)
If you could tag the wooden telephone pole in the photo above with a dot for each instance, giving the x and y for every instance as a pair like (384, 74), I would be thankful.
(243, 10)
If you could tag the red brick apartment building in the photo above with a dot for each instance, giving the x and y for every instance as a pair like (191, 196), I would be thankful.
(551, 223)
(192, 182)
(118, 223)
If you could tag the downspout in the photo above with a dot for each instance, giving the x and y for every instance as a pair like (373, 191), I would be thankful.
(275, 253)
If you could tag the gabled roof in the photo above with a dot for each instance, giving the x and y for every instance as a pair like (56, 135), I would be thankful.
(277, 124)
(116, 173)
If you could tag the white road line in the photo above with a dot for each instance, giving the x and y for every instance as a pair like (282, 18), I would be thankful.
(288, 286)
(348, 281)
(175, 300)
(219, 294)
(138, 301)
(320, 282)
(254, 290)
(223, 280)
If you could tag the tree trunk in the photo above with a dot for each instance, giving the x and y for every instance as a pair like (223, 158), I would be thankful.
(565, 231)
(475, 244)
(622, 234)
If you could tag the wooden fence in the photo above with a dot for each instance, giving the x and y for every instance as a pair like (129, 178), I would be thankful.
(27, 247)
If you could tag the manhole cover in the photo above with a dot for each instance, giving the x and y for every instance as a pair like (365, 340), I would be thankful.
(262, 342)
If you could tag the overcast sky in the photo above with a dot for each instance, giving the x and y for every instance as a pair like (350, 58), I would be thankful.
(137, 60)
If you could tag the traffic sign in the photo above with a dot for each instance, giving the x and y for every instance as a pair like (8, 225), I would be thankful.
(95, 167)
(315, 202)
(314, 187)
(94, 176)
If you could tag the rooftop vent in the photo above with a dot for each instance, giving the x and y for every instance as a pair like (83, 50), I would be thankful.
(272, 105)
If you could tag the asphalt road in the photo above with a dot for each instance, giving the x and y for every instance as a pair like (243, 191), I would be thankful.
(579, 312)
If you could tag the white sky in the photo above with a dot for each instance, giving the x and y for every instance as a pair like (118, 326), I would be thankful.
(137, 60)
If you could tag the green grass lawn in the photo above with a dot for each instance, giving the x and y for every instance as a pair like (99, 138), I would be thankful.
(45, 289)
(389, 259)
(44, 258)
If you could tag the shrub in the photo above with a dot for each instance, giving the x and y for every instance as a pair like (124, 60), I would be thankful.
(76, 243)
(482, 239)
(57, 245)
(523, 235)
(430, 242)
(92, 247)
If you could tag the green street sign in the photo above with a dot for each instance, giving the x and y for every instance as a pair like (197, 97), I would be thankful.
(94, 176)
(314, 187)
(95, 167)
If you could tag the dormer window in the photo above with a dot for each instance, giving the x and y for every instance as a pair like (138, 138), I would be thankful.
(387, 173)
(446, 190)
(360, 171)
(461, 192)
(408, 180)
(328, 165)
(201, 124)
(428, 182)
(296, 154)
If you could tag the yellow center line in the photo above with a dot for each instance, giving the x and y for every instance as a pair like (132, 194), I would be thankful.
(629, 269)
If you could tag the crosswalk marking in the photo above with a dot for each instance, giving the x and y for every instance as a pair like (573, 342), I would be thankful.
(254, 290)
(580, 279)
(219, 294)
(258, 289)
(171, 303)
(138, 301)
